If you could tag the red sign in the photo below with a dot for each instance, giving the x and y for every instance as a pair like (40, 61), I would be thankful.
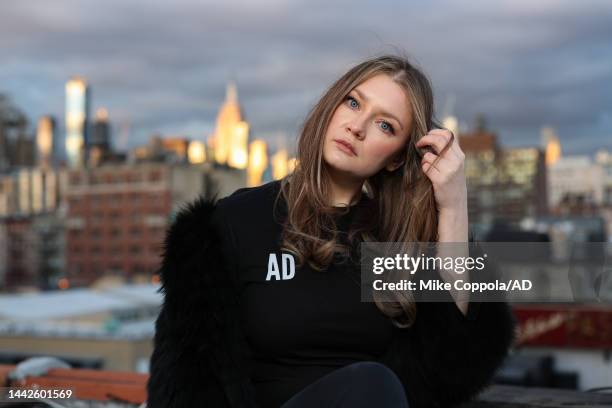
(564, 326)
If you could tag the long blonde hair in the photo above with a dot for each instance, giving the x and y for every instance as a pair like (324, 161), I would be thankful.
(402, 208)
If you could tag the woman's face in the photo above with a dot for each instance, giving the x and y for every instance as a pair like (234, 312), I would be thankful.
(375, 118)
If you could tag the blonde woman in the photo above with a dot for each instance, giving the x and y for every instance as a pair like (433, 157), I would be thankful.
(262, 297)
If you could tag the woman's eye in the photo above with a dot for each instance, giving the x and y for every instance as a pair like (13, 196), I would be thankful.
(386, 126)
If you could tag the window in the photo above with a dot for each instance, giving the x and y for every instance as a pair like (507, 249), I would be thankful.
(74, 202)
(75, 179)
(155, 175)
(135, 249)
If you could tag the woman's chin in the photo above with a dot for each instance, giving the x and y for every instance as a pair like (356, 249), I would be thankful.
(347, 169)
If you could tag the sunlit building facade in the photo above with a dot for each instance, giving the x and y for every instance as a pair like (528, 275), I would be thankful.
(30, 191)
(503, 184)
(77, 121)
(46, 139)
(522, 187)
(575, 178)
(196, 152)
(604, 159)
(552, 146)
(230, 139)
(280, 164)
(162, 149)
(451, 123)
(258, 162)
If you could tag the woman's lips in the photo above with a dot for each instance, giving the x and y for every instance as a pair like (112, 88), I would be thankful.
(345, 148)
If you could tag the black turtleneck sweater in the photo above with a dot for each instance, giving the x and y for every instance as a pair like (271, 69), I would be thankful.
(300, 323)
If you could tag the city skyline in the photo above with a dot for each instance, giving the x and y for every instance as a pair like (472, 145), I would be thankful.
(523, 66)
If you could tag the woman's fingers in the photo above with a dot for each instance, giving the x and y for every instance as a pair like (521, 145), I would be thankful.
(449, 162)
(438, 139)
(428, 166)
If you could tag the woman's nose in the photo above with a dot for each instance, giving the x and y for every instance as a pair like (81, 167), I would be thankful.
(356, 127)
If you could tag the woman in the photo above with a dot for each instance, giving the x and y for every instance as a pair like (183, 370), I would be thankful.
(262, 299)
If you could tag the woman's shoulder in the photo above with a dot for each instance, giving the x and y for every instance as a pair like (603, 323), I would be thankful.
(248, 219)
(250, 201)
(262, 191)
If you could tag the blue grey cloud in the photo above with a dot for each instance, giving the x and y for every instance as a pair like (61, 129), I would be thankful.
(162, 66)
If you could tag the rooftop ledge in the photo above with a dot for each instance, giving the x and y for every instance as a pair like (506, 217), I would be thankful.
(125, 389)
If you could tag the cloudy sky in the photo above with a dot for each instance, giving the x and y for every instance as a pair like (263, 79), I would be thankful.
(163, 66)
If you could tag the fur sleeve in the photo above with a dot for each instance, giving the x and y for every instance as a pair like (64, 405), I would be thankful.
(447, 358)
(198, 347)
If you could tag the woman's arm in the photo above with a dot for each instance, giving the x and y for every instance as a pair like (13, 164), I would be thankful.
(453, 227)
(447, 357)
(198, 346)
(443, 164)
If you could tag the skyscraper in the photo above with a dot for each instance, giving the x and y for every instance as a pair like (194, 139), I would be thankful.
(16, 148)
(101, 130)
(231, 132)
(45, 141)
(77, 121)
(551, 145)
(99, 148)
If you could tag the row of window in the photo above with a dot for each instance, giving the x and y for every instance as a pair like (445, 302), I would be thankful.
(98, 233)
(78, 205)
(134, 217)
(116, 250)
(111, 178)
(76, 268)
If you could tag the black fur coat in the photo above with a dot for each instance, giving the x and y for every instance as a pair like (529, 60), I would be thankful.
(445, 358)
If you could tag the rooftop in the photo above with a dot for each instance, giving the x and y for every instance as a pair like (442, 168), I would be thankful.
(76, 302)
(125, 312)
(121, 390)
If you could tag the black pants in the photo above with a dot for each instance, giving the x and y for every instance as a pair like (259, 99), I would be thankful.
(363, 384)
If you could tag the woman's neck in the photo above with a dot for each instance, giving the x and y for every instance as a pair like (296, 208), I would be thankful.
(344, 190)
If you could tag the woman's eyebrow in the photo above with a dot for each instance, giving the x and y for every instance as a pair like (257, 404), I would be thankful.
(365, 98)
